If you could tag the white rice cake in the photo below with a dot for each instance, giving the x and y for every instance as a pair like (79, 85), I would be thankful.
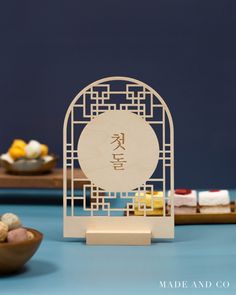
(214, 198)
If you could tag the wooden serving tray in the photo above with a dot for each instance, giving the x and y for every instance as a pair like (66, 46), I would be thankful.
(200, 218)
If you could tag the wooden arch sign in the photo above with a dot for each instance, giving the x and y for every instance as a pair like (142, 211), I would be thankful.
(120, 132)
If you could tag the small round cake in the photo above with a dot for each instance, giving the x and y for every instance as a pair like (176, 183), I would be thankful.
(17, 235)
(30, 235)
(33, 149)
(11, 220)
(3, 231)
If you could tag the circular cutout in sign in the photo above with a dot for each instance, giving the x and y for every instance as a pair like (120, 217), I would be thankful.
(118, 151)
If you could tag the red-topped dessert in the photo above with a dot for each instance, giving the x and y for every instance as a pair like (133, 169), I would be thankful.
(185, 201)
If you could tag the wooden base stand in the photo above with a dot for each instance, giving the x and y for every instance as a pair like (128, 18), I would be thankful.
(138, 238)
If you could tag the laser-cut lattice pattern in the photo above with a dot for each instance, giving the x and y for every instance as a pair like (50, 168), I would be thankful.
(118, 95)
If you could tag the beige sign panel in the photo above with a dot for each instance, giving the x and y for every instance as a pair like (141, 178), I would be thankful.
(119, 131)
(118, 151)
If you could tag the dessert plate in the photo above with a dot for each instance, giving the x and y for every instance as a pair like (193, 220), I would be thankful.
(30, 167)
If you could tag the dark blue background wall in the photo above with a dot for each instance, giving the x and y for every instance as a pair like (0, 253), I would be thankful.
(185, 49)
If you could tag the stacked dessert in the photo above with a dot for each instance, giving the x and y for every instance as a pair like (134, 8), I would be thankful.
(154, 204)
(214, 201)
(185, 201)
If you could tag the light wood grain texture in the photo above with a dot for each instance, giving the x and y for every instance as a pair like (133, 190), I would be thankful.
(160, 227)
(52, 180)
(140, 154)
(136, 238)
(100, 97)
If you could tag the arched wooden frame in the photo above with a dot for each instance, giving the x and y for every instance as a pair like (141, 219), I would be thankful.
(76, 225)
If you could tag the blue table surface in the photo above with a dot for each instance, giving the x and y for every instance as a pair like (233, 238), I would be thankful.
(198, 253)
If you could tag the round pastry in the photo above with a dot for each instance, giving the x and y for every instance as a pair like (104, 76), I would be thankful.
(33, 149)
(19, 143)
(17, 153)
(11, 220)
(44, 150)
(30, 235)
(3, 231)
(17, 235)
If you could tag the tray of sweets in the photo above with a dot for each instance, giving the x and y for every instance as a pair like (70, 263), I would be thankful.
(203, 218)
(207, 218)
